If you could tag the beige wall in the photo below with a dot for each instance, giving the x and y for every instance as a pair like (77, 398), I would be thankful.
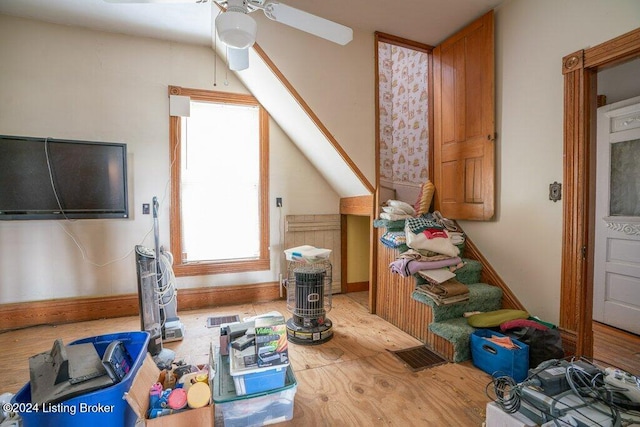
(524, 242)
(61, 82)
(66, 82)
(358, 248)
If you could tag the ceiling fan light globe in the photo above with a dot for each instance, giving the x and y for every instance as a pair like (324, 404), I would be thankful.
(236, 29)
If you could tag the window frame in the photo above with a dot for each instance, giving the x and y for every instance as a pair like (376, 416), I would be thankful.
(201, 268)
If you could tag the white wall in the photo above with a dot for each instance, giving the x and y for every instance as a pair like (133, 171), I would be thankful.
(525, 240)
(66, 82)
(620, 82)
(337, 82)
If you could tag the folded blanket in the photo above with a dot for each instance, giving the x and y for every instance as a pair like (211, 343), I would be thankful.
(393, 239)
(438, 299)
(421, 255)
(449, 288)
(409, 266)
(424, 234)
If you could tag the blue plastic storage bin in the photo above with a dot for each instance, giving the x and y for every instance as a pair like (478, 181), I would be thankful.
(256, 380)
(105, 407)
(497, 360)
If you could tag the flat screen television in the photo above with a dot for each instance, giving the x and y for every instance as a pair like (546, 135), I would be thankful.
(45, 178)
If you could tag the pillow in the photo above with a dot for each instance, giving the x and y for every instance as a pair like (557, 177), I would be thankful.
(491, 319)
(394, 210)
(424, 198)
(398, 204)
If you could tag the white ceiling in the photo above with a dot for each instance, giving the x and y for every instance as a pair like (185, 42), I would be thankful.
(426, 21)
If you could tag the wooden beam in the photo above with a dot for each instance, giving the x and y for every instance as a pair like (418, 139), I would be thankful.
(359, 205)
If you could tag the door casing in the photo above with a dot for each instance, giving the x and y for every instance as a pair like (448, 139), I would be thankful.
(580, 78)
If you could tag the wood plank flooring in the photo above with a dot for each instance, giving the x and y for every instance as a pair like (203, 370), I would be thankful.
(614, 347)
(350, 380)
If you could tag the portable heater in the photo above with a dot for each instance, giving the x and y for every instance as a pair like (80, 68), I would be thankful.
(309, 300)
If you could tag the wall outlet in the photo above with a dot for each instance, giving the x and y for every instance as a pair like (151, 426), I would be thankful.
(145, 208)
(278, 202)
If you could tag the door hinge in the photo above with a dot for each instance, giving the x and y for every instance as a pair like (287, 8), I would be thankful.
(584, 252)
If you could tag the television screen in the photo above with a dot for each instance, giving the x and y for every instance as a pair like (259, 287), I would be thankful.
(45, 178)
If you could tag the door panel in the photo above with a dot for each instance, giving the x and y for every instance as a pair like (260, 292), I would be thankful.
(464, 123)
(616, 288)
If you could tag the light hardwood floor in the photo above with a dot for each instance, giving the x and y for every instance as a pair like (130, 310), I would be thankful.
(351, 380)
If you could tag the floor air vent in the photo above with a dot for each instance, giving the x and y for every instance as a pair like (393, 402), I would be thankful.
(219, 320)
(418, 358)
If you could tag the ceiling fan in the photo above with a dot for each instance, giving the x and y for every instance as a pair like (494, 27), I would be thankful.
(237, 30)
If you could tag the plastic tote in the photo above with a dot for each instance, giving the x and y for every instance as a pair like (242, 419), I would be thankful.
(104, 407)
(251, 410)
(497, 360)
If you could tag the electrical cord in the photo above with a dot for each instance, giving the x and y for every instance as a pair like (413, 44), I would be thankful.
(504, 388)
(587, 386)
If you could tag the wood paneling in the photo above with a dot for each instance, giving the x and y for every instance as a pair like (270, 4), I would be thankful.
(53, 312)
(395, 305)
(320, 231)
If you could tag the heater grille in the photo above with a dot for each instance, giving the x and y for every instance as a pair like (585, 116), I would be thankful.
(309, 289)
(309, 300)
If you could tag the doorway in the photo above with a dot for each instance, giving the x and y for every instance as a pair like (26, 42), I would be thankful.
(580, 70)
(403, 115)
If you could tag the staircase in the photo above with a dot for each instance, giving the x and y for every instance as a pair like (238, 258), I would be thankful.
(443, 328)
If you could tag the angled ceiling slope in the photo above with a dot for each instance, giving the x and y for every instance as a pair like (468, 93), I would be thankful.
(303, 127)
(285, 105)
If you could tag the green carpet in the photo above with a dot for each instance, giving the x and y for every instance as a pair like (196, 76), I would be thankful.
(458, 332)
(482, 297)
(470, 272)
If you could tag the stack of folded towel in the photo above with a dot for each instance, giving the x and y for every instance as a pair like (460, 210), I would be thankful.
(442, 287)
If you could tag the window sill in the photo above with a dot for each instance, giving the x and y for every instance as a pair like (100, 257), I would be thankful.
(207, 268)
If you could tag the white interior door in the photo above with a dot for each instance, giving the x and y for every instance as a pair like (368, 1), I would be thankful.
(617, 223)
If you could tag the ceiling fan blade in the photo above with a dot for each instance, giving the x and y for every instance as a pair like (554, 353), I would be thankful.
(154, 1)
(238, 58)
(308, 22)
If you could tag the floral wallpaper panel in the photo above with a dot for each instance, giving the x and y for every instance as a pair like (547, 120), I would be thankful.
(404, 128)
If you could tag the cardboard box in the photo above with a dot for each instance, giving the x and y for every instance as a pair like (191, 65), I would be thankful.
(138, 399)
(271, 341)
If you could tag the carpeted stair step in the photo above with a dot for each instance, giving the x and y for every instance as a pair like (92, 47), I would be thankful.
(470, 272)
(458, 332)
(482, 297)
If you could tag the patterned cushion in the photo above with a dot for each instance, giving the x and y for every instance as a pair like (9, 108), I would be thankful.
(424, 198)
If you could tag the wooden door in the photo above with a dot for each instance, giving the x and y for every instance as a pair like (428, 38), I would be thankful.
(616, 280)
(464, 122)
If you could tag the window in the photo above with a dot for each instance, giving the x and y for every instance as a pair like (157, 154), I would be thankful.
(219, 184)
